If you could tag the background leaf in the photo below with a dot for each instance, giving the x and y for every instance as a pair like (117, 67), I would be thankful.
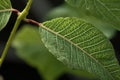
(5, 6)
(80, 45)
(106, 10)
(65, 9)
(30, 48)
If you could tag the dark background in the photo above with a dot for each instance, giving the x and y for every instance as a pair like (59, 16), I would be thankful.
(14, 68)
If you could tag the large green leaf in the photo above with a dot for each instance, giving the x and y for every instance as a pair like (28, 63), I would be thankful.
(30, 48)
(5, 6)
(107, 10)
(80, 45)
(65, 9)
(107, 29)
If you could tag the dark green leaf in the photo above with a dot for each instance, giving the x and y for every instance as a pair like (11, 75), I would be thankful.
(80, 45)
(30, 48)
(107, 10)
(65, 9)
(5, 6)
(106, 28)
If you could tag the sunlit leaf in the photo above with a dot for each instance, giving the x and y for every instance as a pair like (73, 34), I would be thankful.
(80, 45)
(5, 6)
(107, 10)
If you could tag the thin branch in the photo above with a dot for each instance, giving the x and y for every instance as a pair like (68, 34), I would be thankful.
(21, 16)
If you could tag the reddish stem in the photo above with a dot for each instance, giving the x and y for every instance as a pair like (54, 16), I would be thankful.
(32, 21)
(26, 20)
(16, 11)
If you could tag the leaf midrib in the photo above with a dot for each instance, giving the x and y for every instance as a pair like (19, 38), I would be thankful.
(6, 10)
(51, 31)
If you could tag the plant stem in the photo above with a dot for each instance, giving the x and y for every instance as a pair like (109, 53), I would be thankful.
(21, 16)
(32, 21)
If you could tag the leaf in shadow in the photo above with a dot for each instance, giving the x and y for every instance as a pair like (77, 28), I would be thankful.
(105, 10)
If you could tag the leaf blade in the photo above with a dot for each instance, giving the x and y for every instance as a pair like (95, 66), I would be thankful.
(70, 38)
(65, 9)
(106, 10)
(32, 51)
(5, 13)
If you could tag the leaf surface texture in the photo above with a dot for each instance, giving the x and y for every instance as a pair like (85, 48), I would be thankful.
(5, 6)
(107, 10)
(30, 48)
(80, 45)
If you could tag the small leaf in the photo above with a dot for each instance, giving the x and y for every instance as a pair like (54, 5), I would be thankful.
(5, 6)
(80, 45)
(30, 48)
(107, 10)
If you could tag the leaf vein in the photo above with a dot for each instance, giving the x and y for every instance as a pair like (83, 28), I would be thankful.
(94, 44)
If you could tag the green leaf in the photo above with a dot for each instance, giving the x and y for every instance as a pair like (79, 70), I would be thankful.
(107, 10)
(30, 48)
(62, 11)
(106, 28)
(80, 45)
(5, 6)
(65, 9)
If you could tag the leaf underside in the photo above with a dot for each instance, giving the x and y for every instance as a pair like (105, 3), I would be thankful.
(80, 45)
(33, 51)
(107, 10)
(5, 6)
